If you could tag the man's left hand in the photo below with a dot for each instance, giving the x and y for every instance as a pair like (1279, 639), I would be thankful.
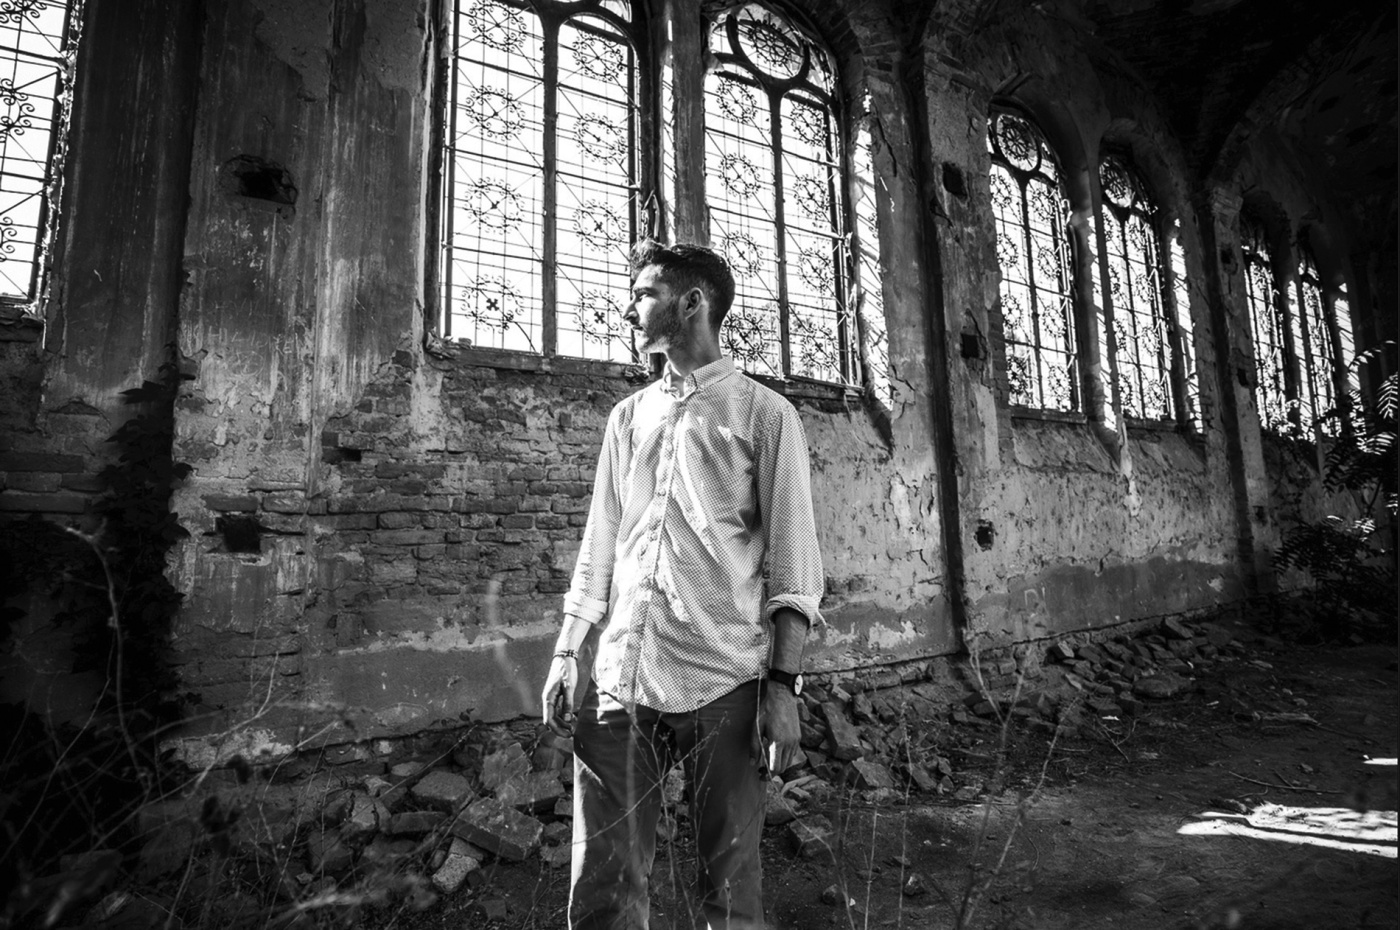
(779, 730)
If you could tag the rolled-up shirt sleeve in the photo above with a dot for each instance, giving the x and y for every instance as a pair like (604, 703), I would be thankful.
(587, 598)
(795, 577)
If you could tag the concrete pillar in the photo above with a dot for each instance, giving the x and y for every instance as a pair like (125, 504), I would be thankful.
(1229, 321)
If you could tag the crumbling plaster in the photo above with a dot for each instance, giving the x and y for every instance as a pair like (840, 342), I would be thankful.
(1064, 502)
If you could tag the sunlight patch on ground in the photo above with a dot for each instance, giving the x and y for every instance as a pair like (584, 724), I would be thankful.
(1369, 832)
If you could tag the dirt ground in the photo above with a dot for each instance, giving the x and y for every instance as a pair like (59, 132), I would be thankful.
(1248, 802)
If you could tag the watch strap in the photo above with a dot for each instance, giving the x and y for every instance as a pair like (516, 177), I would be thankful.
(784, 678)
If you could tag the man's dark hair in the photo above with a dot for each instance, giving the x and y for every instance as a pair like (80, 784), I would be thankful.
(686, 265)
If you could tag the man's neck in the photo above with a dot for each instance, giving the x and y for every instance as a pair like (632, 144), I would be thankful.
(688, 359)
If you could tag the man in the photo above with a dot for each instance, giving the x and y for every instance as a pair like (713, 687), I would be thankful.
(702, 480)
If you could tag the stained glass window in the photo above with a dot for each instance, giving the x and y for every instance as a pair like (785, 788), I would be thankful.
(540, 189)
(773, 185)
(1146, 290)
(1033, 253)
(1266, 327)
(38, 41)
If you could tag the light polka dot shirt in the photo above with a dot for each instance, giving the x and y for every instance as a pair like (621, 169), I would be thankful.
(699, 480)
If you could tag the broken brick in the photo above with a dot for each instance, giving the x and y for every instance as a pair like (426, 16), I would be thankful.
(503, 765)
(414, 823)
(499, 829)
(534, 791)
(442, 790)
(842, 736)
(1175, 629)
(462, 859)
(813, 837)
(867, 774)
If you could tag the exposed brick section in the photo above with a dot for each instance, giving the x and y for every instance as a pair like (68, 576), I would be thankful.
(41, 461)
(225, 503)
(23, 502)
(487, 495)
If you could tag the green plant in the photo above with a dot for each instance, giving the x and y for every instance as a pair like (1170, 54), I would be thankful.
(1352, 560)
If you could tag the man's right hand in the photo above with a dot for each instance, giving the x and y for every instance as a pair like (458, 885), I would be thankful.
(557, 698)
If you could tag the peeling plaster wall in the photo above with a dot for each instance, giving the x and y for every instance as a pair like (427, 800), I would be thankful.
(291, 306)
(108, 317)
(1068, 523)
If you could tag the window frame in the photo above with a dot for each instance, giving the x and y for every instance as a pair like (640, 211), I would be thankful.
(1073, 263)
(1308, 273)
(653, 198)
(736, 64)
(1303, 418)
(645, 156)
(1167, 310)
(18, 113)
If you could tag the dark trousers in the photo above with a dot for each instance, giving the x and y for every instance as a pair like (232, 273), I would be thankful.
(619, 765)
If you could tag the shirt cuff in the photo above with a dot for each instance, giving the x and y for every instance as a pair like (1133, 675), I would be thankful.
(804, 604)
(587, 609)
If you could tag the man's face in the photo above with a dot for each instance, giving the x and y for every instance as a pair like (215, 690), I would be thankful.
(654, 312)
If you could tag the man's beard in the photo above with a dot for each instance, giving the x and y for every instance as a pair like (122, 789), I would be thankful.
(663, 331)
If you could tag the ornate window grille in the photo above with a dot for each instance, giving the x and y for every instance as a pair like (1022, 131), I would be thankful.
(1033, 253)
(1271, 380)
(38, 41)
(1323, 317)
(774, 189)
(1152, 332)
(540, 191)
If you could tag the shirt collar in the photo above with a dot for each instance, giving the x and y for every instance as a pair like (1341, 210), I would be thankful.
(673, 383)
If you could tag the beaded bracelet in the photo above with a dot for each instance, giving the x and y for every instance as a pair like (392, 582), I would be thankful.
(567, 654)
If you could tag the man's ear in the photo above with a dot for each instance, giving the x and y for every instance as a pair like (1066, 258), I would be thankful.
(693, 302)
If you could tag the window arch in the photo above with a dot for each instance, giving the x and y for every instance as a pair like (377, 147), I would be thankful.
(1271, 378)
(1155, 377)
(540, 190)
(1037, 270)
(773, 183)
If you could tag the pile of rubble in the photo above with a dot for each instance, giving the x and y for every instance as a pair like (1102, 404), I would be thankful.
(504, 793)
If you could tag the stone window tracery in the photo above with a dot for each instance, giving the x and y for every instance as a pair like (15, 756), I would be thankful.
(38, 50)
(1033, 254)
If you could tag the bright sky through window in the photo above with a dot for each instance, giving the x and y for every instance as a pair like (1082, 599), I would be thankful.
(38, 45)
(1033, 252)
(540, 185)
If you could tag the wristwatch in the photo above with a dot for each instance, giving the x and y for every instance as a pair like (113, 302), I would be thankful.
(793, 681)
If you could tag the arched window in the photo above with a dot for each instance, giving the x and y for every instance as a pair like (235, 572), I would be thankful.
(774, 190)
(540, 191)
(1033, 253)
(1145, 289)
(1322, 317)
(1271, 380)
(38, 47)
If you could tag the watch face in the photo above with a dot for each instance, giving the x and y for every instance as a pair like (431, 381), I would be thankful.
(797, 683)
